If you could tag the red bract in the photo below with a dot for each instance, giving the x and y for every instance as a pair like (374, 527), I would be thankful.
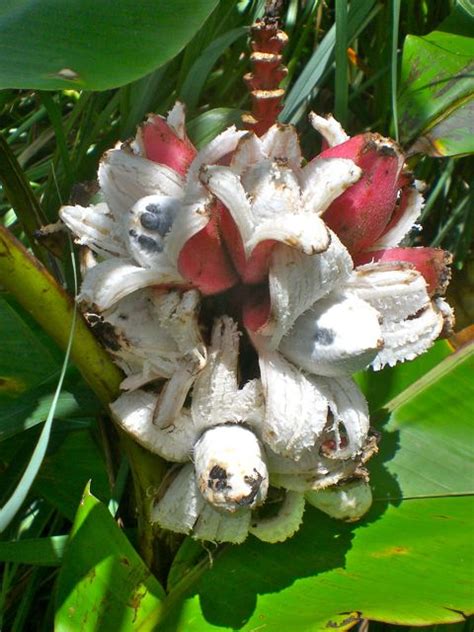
(162, 144)
(362, 213)
(204, 261)
(375, 213)
(253, 270)
(370, 217)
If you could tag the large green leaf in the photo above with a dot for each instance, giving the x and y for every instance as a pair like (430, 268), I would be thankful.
(332, 573)
(103, 583)
(380, 387)
(427, 444)
(55, 44)
(436, 104)
(391, 565)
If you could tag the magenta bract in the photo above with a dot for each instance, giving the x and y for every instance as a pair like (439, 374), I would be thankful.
(360, 215)
(162, 145)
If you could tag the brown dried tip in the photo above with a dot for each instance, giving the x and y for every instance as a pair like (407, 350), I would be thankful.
(263, 83)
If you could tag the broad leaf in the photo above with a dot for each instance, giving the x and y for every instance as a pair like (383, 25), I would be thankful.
(57, 44)
(388, 567)
(380, 387)
(427, 442)
(436, 103)
(103, 583)
(332, 574)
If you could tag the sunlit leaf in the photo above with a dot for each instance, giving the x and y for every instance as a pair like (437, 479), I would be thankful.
(332, 574)
(437, 88)
(380, 387)
(103, 583)
(426, 444)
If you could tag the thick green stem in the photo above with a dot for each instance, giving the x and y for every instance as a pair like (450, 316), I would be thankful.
(148, 472)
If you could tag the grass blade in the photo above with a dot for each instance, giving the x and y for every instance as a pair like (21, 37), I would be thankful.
(341, 80)
(22, 198)
(35, 551)
(194, 82)
(394, 73)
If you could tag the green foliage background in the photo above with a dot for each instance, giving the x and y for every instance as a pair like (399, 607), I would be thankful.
(75, 77)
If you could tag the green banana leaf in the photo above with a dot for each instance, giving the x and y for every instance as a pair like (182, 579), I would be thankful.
(85, 44)
(103, 583)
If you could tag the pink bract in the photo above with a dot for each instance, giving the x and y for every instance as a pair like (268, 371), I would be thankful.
(162, 145)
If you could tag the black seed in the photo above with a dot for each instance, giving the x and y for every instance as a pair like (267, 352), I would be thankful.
(155, 209)
(149, 244)
(157, 218)
(254, 482)
(150, 221)
(218, 479)
(324, 336)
